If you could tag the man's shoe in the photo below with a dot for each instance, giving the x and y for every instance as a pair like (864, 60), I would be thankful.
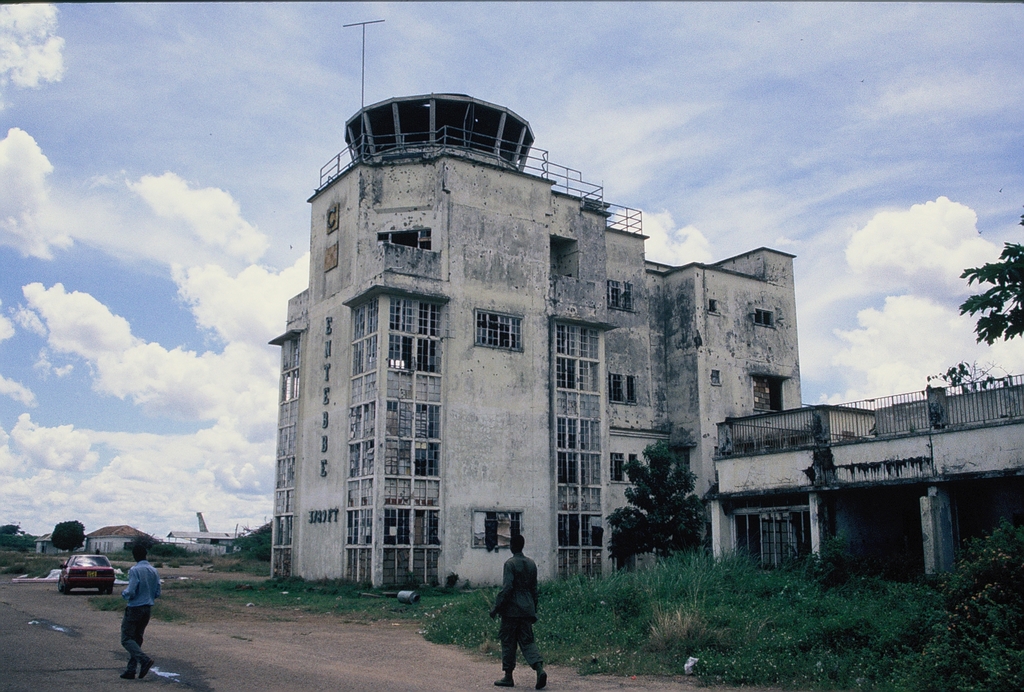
(128, 675)
(149, 664)
(542, 679)
(505, 681)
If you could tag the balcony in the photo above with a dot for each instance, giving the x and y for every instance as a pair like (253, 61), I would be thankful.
(900, 415)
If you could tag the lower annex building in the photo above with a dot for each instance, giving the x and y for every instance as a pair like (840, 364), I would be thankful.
(483, 345)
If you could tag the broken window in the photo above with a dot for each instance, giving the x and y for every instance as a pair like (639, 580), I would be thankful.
(620, 295)
(397, 457)
(419, 238)
(397, 491)
(286, 472)
(424, 565)
(358, 566)
(578, 432)
(360, 527)
(765, 318)
(493, 530)
(617, 463)
(712, 305)
(716, 378)
(498, 331)
(428, 388)
(767, 393)
(426, 493)
(425, 523)
(283, 531)
(395, 564)
(773, 536)
(396, 526)
(399, 385)
(565, 257)
(428, 456)
(429, 317)
(621, 388)
(362, 420)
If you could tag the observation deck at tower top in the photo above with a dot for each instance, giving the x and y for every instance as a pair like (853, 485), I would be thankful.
(417, 127)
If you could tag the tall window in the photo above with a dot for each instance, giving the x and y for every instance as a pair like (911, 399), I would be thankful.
(287, 425)
(578, 434)
(412, 441)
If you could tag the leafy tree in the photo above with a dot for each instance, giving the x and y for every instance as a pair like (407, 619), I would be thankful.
(1002, 306)
(68, 535)
(255, 543)
(970, 376)
(13, 538)
(663, 515)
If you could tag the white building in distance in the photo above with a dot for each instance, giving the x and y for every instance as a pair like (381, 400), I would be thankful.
(483, 345)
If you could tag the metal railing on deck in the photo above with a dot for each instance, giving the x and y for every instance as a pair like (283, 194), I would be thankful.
(500, 152)
(901, 414)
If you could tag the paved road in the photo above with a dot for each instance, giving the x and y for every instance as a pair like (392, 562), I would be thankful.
(53, 642)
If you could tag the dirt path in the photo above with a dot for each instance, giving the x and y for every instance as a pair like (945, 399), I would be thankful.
(54, 642)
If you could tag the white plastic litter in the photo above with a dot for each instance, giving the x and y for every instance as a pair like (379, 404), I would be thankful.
(690, 663)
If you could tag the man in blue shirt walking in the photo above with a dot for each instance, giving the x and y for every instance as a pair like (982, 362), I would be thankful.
(143, 588)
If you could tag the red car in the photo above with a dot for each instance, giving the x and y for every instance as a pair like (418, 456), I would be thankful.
(86, 572)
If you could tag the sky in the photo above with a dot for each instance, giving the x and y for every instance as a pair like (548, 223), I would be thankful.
(156, 159)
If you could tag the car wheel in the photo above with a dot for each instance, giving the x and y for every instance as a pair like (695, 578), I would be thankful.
(110, 590)
(60, 586)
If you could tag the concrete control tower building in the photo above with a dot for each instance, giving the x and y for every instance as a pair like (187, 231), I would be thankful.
(483, 345)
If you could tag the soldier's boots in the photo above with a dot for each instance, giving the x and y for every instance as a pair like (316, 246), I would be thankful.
(505, 681)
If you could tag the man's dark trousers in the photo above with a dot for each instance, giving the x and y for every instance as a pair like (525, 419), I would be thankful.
(517, 631)
(133, 625)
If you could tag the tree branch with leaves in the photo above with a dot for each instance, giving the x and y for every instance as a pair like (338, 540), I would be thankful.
(1002, 306)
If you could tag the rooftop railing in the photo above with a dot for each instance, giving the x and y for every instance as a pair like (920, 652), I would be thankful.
(499, 152)
(995, 401)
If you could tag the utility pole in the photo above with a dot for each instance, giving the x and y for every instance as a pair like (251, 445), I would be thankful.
(362, 90)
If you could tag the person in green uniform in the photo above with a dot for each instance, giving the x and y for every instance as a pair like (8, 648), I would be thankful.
(517, 605)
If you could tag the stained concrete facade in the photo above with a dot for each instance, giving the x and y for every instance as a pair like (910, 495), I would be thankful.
(483, 346)
(903, 479)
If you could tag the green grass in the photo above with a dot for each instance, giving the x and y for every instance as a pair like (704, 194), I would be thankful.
(161, 611)
(32, 564)
(746, 625)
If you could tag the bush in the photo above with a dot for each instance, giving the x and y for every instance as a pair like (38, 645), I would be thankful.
(979, 645)
(254, 544)
(13, 538)
(167, 550)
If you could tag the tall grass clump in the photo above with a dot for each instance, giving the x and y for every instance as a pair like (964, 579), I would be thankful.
(746, 625)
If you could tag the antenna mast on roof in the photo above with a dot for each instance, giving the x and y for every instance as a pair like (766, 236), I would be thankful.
(362, 90)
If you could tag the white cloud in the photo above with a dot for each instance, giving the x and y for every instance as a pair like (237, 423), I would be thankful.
(895, 349)
(24, 202)
(29, 320)
(154, 482)
(671, 245)
(60, 448)
(45, 367)
(30, 53)
(925, 248)
(250, 307)
(6, 328)
(17, 391)
(236, 386)
(214, 217)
